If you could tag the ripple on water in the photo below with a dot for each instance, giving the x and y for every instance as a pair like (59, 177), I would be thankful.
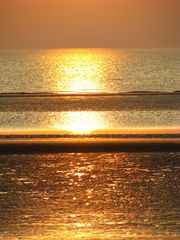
(90, 196)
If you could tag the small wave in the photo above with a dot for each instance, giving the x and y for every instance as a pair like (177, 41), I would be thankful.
(65, 93)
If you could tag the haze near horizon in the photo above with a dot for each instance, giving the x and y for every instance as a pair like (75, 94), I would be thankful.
(90, 23)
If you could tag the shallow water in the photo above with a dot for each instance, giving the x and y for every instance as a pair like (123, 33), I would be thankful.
(90, 196)
(89, 122)
(86, 114)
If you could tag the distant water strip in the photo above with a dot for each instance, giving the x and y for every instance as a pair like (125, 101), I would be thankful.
(10, 102)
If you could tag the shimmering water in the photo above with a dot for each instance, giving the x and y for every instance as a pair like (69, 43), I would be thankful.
(122, 196)
(87, 122)
(90, 70)
(90, 196)
(87, 114)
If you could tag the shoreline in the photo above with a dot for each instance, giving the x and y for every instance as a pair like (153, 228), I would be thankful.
(39, 145)
(107, 131)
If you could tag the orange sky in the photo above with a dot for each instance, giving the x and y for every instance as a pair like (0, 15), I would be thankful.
(89, 23)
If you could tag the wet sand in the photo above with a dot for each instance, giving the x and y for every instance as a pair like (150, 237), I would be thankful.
(88, 145)
(107, 140)
(90, 196)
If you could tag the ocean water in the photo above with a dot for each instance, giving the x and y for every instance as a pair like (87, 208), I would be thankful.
(90, 70)
(89, 196)
(146, 75)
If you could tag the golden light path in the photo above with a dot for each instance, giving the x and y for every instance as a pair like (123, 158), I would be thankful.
(78, 71)
(81, 122)
(82, 71)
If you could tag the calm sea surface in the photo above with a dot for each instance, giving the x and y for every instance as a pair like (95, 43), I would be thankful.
(90, 70)
(121, 196)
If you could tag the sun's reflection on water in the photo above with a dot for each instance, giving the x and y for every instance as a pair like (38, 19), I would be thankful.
(81, 70)
(81, 122)
(89, 196)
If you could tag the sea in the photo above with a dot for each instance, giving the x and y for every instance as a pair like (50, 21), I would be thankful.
(96, 94)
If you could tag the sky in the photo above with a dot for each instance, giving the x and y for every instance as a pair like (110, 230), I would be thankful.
(89, 23)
